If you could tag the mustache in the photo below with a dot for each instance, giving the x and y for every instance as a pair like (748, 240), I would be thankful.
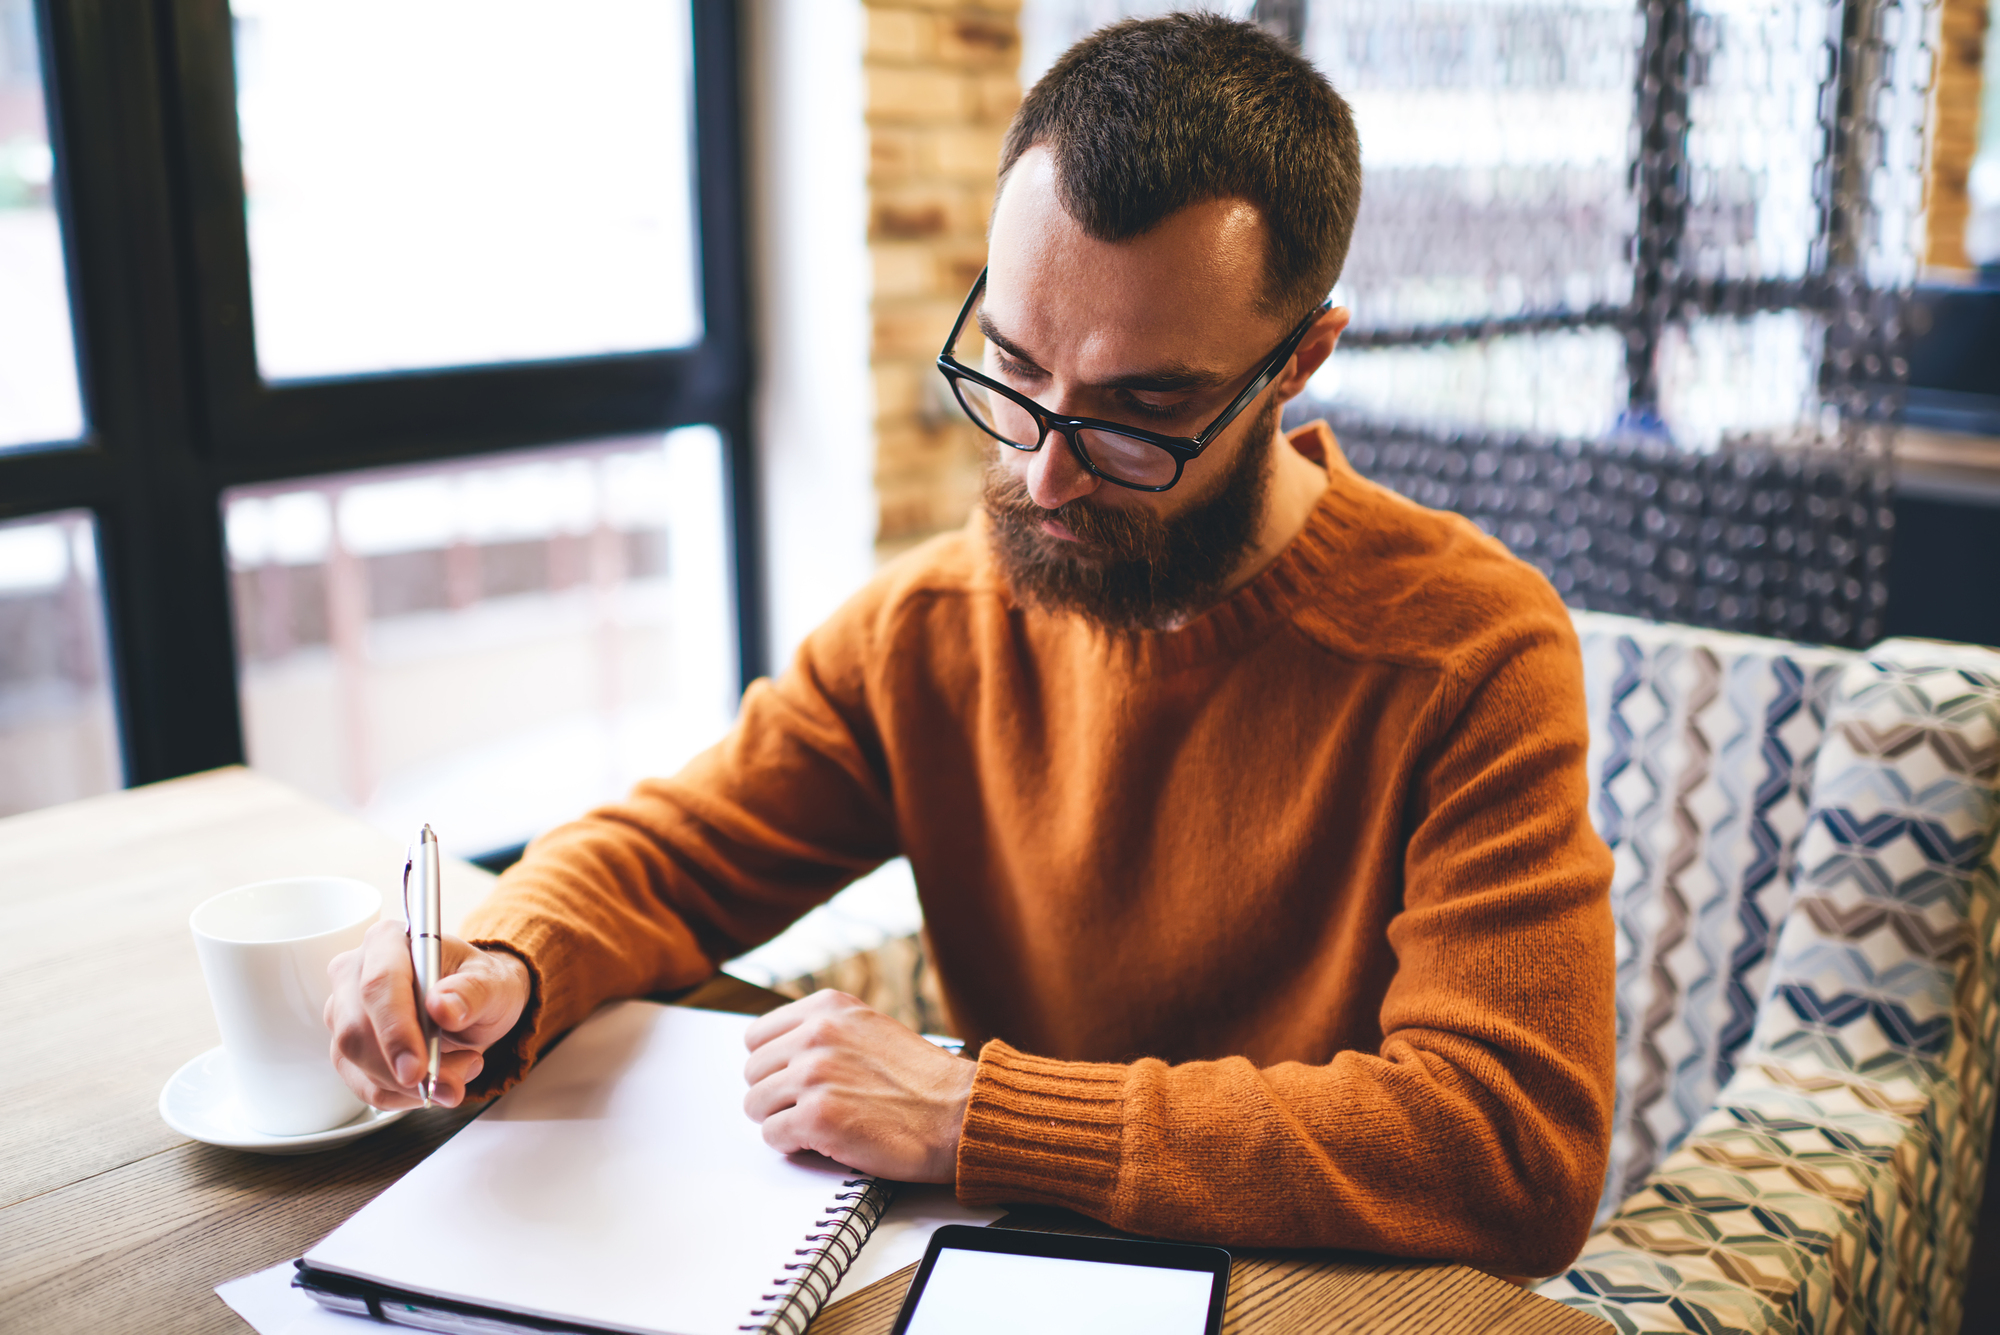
(1131, 568)
(1102, 531)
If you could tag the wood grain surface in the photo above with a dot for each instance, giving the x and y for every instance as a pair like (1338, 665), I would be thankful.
(98, 974)
(1299, 1293)
(141, 1247)
(110, 1221)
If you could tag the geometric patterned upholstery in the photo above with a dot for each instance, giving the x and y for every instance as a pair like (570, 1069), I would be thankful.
(1833, 1181)
(1701, 761)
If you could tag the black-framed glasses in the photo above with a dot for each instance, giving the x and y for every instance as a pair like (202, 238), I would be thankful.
(1129, 456)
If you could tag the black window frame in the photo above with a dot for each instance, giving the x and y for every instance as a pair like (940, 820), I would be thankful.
(142, 118)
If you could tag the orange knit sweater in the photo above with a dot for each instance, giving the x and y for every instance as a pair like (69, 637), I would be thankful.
(1285, 928)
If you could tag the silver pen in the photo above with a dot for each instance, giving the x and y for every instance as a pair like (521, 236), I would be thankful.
(426, 930)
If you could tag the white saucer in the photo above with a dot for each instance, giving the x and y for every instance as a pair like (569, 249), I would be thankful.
(200, 1103)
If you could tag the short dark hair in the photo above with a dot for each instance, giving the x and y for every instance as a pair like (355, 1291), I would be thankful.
(1148, 116)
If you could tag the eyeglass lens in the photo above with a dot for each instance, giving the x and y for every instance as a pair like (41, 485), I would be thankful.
(1124, 457)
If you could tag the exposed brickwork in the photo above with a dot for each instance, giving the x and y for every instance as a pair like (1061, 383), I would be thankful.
(1955, 129)
(942, 82)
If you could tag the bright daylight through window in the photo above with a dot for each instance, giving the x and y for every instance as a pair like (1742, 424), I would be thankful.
(39, 402)
(504, 181)
(492, 645)
(58, 738)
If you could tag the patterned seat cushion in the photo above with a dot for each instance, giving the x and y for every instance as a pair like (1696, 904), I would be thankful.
(1702, 752)
(1834, 1184)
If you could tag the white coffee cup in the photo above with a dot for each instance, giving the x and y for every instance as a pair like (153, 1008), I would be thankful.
(264, 949)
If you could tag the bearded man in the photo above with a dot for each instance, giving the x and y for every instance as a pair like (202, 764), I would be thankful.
(1246, 800)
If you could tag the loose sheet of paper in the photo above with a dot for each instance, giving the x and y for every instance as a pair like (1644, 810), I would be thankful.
(620, 1185)
(272, 1306)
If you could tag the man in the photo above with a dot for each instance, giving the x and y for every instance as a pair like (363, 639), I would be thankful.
(1246, 799)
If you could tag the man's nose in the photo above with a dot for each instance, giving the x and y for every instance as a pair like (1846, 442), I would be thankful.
(1056, 476)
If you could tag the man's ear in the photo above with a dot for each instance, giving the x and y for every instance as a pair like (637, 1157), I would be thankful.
(1312, 353)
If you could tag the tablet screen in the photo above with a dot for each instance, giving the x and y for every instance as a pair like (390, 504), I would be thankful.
(995, 1293)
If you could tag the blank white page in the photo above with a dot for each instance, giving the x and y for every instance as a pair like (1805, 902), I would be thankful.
(619, 1185)
(996, 1293)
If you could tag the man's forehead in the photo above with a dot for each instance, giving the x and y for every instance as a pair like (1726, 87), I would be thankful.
(1189, 289)
(1120, 363)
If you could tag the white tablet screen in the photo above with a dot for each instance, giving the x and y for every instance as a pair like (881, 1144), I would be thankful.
(996, 1293)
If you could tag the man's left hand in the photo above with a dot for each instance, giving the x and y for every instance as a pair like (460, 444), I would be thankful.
(833, 1075)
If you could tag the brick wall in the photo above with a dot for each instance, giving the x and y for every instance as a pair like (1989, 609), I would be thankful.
(1955, 130)
(943, 79)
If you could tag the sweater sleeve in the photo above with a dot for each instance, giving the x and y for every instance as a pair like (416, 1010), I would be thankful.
(651, 894)
(1478, 1131)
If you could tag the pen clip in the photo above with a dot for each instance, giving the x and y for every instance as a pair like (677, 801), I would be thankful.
(409, 922)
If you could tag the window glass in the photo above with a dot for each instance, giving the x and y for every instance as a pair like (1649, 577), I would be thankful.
(1568, 384)
(1756, 375)
(1982, 227)
(1495, 140)
(58, 734)
(39, 400)
(1760, 74)
(1754, 138)
(491, 646)
(454, 182)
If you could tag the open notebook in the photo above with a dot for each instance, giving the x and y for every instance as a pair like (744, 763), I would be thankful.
(619, 1187)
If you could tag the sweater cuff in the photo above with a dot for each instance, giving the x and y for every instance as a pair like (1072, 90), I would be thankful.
(1041, 1132)
(510, 1056)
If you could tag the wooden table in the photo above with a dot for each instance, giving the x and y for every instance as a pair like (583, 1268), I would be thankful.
(110, 1221)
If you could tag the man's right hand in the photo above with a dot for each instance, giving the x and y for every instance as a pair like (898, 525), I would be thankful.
(378, 1047)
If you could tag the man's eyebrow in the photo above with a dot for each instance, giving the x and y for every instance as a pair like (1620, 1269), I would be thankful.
(1166, 379)
(1001, 341)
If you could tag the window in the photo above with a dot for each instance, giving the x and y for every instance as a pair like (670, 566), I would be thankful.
(332, 262)
(39, 400)
(57, 738)
(1955, 351)
(1638, 206)
(490, 644)
(1982, 228)
(502, 181)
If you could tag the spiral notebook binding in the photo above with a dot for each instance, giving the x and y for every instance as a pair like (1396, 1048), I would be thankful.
(830, 1249)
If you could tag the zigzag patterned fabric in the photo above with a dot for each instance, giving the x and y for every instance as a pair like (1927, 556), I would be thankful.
(1834, 1180)
(1702, 751)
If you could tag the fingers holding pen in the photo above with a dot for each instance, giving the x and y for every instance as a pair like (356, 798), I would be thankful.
(371, 1012)
(456, 1070)
(481, 995)
(389, 1001)
(378, 1043)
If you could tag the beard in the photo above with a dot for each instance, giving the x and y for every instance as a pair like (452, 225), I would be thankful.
(1131, 569)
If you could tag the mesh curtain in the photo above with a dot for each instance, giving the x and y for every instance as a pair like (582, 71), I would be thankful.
(1628, 284)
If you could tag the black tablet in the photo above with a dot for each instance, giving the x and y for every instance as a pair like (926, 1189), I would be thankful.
(986, 1281)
